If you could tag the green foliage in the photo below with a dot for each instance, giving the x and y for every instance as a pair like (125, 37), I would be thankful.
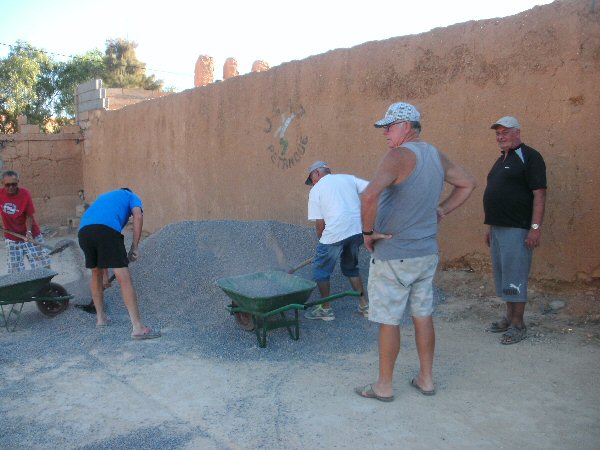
(27, 81)
(32, 84)
(79, 69)
(123, 69)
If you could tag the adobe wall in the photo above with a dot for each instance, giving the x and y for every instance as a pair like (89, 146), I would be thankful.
(239, 149)
(49, 166)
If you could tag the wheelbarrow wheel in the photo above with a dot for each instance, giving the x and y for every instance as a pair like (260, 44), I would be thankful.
(50, 308)
(244, 320)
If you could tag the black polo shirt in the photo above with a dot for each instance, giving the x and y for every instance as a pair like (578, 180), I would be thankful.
(508, 196)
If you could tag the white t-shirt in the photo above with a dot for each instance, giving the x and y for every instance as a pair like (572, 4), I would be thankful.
(335, 199)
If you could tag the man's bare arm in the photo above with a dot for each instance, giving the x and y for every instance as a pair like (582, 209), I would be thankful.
(464, 183)
(385, 175)
(320, 227)
(537, 216)
(138, 224)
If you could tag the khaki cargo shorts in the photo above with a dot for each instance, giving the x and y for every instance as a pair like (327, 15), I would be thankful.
(394, 283)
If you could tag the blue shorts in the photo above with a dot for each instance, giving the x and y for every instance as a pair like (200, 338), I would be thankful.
(511, 261)
(327, 255)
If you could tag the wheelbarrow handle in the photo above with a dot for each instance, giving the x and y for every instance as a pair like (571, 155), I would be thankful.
(332, 297)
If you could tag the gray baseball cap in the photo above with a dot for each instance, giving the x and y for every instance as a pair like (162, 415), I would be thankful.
(399, 112)
(508, 122)
(316, 165)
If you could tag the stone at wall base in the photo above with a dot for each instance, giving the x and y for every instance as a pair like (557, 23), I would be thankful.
(72, 224)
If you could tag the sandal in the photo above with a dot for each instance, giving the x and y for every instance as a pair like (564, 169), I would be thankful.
(499, 327)
(148, 333)
(364, 310)
(514, 335)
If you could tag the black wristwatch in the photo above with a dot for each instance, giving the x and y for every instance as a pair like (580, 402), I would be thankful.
(368, 233)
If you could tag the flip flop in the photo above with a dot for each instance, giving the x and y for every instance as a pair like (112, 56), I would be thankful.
(149, 333)
(368, 392)
(414, 384)
(89, 308)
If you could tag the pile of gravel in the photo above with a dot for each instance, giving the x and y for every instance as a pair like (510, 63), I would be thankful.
(175, 279)
(176, 275)
(12, 279)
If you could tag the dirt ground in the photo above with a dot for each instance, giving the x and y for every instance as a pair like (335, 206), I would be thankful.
(541, 393)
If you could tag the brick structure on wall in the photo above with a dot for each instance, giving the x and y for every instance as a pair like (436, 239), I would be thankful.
(240, 149)
(50, 166)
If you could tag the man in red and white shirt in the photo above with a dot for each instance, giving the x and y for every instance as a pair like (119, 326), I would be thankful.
(17, 210)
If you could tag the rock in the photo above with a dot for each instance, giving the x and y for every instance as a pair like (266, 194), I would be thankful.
(204, 72)
(557, 304)
(230, 68)
(260, 66)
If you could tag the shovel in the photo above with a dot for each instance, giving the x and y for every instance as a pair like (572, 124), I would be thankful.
(300, 266)
(59, 247)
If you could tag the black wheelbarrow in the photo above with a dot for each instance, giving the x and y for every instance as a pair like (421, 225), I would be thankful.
(34, 285)
(259, 297)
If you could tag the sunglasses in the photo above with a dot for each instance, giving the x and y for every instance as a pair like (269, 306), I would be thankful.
(11, 184)
(387, 127)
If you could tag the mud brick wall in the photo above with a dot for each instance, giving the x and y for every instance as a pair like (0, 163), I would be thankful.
(49, 166)
(239, 149)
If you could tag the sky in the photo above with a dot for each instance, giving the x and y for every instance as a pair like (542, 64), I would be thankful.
(173, 35)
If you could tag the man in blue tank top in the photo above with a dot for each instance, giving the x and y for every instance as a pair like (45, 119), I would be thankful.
(102, 243)
(400, 212)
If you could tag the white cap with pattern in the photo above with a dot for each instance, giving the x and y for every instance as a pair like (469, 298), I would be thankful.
(399, 112)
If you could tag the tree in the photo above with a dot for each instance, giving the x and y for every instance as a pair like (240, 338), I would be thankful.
(79, 69)
(123, 69)
(27, 85)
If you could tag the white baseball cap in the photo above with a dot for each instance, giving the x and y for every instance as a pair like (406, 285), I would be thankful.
(508, 122)
(316, 165)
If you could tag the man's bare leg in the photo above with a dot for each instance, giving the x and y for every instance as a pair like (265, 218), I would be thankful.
(389, 348)
(98, 296)
(357, 285)
(324, 290)
(425, 340)
(129, 298)
(515, 314)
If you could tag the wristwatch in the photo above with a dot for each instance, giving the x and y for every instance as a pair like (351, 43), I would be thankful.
(535, 226)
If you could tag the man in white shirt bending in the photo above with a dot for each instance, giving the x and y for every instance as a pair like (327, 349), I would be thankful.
(334, 206)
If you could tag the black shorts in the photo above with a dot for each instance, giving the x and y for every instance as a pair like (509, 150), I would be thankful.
(103, 247)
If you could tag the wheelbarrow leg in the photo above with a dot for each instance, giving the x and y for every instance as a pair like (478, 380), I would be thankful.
(260, 327)
(14, 311)
(295, 333)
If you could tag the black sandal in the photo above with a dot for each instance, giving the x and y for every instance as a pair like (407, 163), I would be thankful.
(514, 335)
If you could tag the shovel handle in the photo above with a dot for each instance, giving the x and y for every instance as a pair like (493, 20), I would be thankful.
(300, 266)
(48, 247)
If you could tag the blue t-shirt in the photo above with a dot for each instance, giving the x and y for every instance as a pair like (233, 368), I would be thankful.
(112, 209)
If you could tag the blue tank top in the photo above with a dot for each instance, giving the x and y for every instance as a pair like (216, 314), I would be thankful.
(112, 209)
(408, 210)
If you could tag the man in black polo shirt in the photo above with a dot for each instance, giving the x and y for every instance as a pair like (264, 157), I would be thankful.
(513, 202)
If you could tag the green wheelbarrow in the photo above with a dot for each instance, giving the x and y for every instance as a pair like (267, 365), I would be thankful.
(261, 300)
(34, 285)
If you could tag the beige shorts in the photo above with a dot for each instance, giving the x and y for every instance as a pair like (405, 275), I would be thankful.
(395, 282)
